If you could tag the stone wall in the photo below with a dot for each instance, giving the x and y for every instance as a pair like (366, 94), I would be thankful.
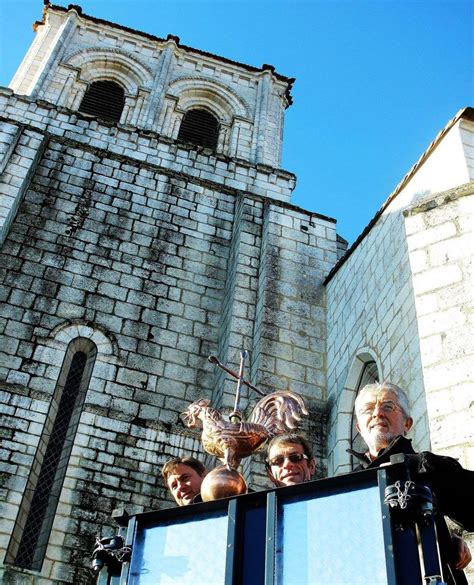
(371, 316)
(440, 237)
(372, 313)
(159, 256)
(440, 230)
(156, 254)
(114, 464)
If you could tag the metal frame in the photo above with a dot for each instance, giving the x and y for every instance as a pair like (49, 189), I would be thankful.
(387, 529)
(232, 541)
(270, 538)
(326, 487)
(254, 517)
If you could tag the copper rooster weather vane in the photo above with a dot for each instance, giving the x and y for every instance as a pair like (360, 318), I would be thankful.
(234, 439)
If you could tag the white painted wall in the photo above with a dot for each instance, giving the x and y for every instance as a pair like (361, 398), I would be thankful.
(440, 236)
(371, 301)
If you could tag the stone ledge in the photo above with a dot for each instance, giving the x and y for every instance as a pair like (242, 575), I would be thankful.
(183, 174)
(93, 129)
(434, 200)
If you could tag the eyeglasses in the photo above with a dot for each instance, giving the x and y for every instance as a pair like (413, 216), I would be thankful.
(292, 457)
(386, 407)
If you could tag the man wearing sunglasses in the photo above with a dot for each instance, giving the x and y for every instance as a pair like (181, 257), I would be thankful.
(383, 420)
(289, 460)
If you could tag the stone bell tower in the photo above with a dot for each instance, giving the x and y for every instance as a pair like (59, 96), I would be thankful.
(145, 224)
(85, 64)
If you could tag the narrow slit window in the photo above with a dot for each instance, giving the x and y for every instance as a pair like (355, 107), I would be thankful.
(35, 519)
(104, 99)
(199, 127)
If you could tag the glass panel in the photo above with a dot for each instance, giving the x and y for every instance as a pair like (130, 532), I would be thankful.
(332, 540)
(189, 551)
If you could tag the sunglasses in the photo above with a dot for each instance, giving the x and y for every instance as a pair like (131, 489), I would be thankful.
(292, 457)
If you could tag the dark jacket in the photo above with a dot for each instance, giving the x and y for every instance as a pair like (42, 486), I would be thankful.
(452, 487)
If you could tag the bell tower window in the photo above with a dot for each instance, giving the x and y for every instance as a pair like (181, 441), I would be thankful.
(200, 128)
(104, 99)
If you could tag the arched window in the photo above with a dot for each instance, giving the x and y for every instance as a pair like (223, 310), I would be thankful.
(369, 375)
(32, 529)
(199, 127)
(104, 99)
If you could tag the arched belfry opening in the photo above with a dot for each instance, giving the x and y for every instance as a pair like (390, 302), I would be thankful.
(104, 99)
(199, 127)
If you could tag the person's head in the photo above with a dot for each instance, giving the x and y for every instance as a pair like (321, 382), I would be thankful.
(183, 477)
(383, 413)
(289, 460)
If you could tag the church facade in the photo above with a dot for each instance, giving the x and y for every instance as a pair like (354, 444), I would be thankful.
(146, 224)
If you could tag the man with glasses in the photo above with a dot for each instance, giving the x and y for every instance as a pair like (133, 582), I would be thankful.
(382, 412)
(289, 460)
(383, 420)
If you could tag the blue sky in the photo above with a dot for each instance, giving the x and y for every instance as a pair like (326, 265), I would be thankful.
(375, 79)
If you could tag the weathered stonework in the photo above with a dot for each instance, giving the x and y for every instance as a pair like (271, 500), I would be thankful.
(162, 79)
(156, 254)
(160, 254)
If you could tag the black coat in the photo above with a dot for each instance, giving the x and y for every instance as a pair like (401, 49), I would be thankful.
(453, 491)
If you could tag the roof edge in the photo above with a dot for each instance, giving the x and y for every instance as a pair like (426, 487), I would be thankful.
(466, 113)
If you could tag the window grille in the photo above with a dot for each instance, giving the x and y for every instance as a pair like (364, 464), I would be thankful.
(369, 375)
(104, 99)
(199, 127)
(42, 495)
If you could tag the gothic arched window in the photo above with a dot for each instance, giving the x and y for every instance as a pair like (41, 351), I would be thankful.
(199, 127)
(368, 375)
(104, 99)
(32, 529)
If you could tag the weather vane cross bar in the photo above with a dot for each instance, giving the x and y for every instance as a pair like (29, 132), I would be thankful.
(214, 360)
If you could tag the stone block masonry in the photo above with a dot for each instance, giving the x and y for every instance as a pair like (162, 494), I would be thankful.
(384, 301)
(113, 464)
(160, 266)
(20, 150)
(372, 322)
(163, 79)
(440, 236)
(128, 256)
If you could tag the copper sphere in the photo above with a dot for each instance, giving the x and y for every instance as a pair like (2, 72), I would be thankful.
(222, 483)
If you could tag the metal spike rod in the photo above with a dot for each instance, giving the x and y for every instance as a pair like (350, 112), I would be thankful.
(236, 415)
(213, 360)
